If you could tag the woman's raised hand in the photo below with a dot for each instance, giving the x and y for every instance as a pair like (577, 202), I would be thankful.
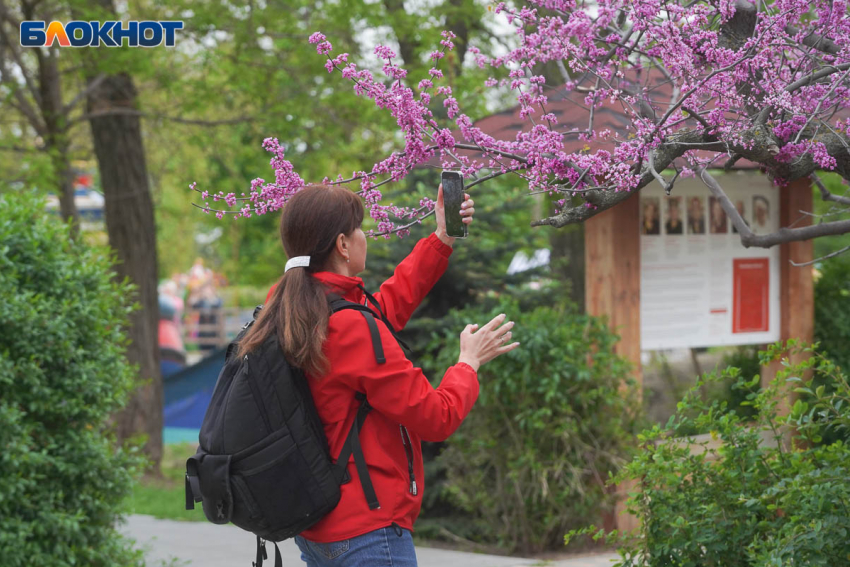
(478, 346)
(466, 212)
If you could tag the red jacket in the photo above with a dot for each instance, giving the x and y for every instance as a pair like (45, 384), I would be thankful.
(399, 393)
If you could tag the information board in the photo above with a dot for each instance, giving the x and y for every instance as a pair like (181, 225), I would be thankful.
(699, 285)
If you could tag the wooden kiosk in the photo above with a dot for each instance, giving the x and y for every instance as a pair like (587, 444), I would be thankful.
(616, 254)
(613, 278)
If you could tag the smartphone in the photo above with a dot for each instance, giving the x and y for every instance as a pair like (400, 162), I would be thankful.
(452, 199)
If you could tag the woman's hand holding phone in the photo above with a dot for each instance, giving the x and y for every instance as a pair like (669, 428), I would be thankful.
(466, 211)
(478, 346)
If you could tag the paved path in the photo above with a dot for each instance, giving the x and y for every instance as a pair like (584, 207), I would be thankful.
(199, 544)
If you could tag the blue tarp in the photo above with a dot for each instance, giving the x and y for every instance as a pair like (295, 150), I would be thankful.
(187, 393)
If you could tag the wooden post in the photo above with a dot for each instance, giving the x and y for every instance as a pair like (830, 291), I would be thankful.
(796, 286)
(612, 274)
(612, 288)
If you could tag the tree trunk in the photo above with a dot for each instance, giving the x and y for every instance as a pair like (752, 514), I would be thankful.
(56, 138)
(65, 187)
(458, 20)
(130, 225)
(407, 45)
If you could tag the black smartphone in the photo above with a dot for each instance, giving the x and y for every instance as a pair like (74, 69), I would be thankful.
(452, 199)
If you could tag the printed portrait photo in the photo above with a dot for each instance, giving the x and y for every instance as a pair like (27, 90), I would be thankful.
(696, 216)
(739, 206)
(673, 223)
(650, 218)
(717, 217)
(761, 215)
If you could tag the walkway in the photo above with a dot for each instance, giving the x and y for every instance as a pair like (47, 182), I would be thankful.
(170, 543)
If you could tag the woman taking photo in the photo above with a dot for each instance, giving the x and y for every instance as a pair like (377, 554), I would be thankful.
(321, 229)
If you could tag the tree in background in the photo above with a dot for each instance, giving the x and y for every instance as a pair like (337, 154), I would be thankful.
(31, 84)
(111, 110)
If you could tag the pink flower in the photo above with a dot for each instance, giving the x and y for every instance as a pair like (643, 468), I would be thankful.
(615, 75)
(384, 52)
(324, 47)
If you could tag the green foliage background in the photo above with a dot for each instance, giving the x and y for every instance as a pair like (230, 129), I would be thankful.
(753, 499)
(832, 310)
(554, 417)
(62, 373)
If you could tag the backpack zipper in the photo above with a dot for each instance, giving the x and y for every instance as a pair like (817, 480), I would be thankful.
(408, 449)
(255, 392)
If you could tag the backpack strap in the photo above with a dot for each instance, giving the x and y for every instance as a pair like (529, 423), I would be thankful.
(352, 446)
(262, 555)
(377, 305)
(192, 486)
(338, 304)
(377, 346)
(352, 441)
(386, 321)
(231, 348)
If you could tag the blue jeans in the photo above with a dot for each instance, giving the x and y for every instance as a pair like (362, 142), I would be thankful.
(384, 547)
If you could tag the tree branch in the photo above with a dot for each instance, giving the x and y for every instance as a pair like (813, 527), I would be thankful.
(668, 187)
(816, 41)
(822, 258)
(23, 104)
(800, 83)
(748, 238)
(603, 199)
(492, 151)
(757, 145)
(728, 207)
(93, 84)
(826, 195)
(16, 55)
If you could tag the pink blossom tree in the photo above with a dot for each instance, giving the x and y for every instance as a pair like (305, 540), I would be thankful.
(697, 84)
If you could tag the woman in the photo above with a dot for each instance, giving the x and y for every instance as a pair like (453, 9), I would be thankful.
(717, 217)
(674, 220)
(696, 216)
(651, 224)
(323, 224)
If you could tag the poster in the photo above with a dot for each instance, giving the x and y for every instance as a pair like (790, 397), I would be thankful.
(699, 285)
(750, 295)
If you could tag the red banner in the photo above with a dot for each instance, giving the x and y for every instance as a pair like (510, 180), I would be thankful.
(750, 291)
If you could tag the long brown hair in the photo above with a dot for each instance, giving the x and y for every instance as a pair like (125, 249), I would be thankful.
(297, 310)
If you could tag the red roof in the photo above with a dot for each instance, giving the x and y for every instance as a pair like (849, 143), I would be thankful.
(573, 115)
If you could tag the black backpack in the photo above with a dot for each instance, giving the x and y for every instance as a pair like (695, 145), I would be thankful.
(263, 462)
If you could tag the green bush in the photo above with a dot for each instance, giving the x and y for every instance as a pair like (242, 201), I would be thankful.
(746, 359)
(832, 321)
(832, 310)
(754, 499)
(553, 419)
(62, 373)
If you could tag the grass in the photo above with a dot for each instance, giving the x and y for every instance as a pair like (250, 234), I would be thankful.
(164, 497)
